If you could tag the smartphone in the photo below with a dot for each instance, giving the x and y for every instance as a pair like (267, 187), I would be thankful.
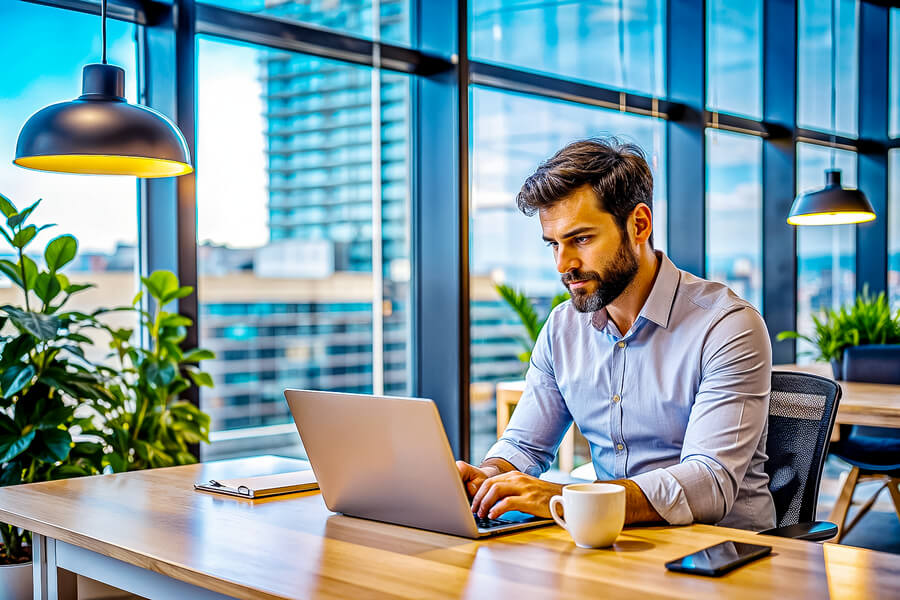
(719, 559)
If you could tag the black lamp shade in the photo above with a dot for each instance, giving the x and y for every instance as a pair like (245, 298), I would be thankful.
(832, 205)
(100, 133)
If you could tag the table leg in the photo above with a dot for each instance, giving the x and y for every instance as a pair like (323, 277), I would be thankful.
(43, 552)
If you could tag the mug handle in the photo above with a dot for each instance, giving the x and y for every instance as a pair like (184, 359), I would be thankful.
(554, 502)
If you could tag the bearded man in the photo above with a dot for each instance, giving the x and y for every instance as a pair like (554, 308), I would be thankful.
(667, 375)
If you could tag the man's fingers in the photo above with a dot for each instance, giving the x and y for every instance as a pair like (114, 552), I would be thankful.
(507, 504)
(496, 492)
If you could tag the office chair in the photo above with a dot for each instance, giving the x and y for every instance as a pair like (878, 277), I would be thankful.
(873, 452)
(802, 409)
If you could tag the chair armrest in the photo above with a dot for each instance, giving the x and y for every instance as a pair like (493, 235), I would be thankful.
(812, 531)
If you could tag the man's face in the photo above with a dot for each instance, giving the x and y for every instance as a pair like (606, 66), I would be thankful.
(596, 263)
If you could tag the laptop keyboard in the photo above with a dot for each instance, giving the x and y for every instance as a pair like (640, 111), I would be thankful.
(486, 523)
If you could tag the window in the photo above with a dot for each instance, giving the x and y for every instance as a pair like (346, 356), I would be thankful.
(734, 56)
(734, 212)
(511, 135)
(815, 76)
(287, 282)
(346, 16)
(826, 254)
(894, 227)
(82, 205)
(568, 38)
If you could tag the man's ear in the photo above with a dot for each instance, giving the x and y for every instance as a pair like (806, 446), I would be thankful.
(641, 223)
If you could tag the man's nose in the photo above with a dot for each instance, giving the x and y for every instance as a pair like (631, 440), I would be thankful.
(566, 261)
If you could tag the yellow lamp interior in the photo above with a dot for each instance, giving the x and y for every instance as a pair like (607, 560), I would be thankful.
(139, 166)
(832, 218)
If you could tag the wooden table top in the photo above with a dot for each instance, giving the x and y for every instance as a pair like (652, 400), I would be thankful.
(873, 404)
(293, 547)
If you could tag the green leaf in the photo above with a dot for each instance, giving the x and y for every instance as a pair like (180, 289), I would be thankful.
(10, 269)
(14, 350)
(24, 236)
(160, 283)
(117, 462)
(60, 252)
(198, 354)
(175, 295)
(137, 298)
(17, 219)
(75, 288)
(7, 207)
(31, 272)
(52, 445)
(43, 327)
(54, 417)
(12, 445)
(201, 378)
(15, 378)
(159, 374)
(46, 286)
(167, 319)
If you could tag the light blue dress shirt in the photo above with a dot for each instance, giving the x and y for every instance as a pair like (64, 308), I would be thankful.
(679, 404)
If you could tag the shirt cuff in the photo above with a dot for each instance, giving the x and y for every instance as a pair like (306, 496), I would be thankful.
(510, 453)
(666, 495)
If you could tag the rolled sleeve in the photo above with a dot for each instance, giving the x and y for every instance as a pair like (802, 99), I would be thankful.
(727, 420)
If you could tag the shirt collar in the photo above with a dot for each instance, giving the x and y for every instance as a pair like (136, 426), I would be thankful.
(658, 305)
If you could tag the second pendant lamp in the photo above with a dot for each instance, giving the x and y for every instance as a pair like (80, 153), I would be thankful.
(101, 133)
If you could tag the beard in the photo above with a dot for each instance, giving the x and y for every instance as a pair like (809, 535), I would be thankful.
(615, 279)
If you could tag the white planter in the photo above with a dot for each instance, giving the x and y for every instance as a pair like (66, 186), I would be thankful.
(16, 582)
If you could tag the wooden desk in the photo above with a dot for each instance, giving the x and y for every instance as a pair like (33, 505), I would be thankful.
(149, 533)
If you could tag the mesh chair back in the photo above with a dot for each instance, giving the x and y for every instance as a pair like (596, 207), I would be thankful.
(802, 408)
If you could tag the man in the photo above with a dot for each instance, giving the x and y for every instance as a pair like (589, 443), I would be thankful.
(667, 375)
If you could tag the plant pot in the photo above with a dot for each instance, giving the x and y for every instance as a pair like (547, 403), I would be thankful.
(873, 363)
(836, 369)
(16, 582)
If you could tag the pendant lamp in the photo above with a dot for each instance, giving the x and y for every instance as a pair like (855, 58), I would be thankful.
(100, 133)
(834, 204)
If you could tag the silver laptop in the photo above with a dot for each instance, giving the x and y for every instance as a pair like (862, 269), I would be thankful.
(388, 459)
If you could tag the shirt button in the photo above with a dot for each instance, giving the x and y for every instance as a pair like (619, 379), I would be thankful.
(620, 447)
(621, 344)
(616, 398)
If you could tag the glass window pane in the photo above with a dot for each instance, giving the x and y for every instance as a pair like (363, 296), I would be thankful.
(894, 226)
(734, 212)
(814, 68)
(50, 72)
(734, 56)
(346, 16)
(288, 293)
(895, 73)
(512, 134)
(566, 38)
(826, 254)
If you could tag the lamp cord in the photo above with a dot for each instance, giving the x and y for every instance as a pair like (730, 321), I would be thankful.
(833, 78)
(103, 28)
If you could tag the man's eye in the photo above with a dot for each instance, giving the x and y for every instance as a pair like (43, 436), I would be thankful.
(582, 239)
(552, 244)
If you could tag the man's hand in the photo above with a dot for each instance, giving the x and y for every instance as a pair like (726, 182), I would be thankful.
(473, 477)
(514, 491)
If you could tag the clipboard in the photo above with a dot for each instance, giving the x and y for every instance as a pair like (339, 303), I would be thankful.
(262, 486)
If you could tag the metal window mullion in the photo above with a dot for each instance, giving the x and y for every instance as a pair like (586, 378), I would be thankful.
(779, 174)
(377, 243)
(872, 159)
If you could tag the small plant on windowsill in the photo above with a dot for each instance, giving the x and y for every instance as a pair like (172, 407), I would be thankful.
(525, 310)
(147, 425)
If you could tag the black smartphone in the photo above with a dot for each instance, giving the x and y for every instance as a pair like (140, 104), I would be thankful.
(719, 559)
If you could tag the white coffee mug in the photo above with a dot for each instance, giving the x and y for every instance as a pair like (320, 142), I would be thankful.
(594, 513)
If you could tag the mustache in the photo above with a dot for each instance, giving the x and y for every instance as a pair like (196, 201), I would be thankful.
(576, 275)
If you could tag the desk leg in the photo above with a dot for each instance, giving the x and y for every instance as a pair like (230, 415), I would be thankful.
(43, 552)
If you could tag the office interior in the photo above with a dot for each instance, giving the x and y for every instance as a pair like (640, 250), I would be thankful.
(351, 209)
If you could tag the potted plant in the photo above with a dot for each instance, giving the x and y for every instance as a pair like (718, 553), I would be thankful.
(44, 377)
(147, 425)
(867, 321)
(525, 310)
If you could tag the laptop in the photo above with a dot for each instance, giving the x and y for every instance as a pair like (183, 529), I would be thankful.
(388, 459)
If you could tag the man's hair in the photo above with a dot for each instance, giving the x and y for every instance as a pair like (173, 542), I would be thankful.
(616, 171)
